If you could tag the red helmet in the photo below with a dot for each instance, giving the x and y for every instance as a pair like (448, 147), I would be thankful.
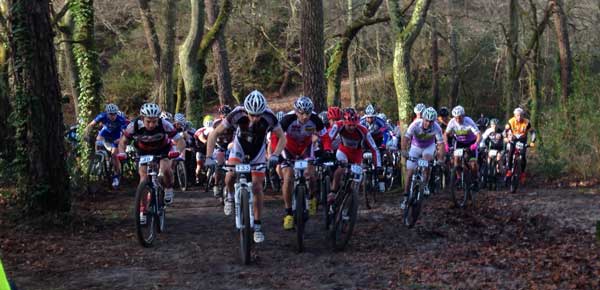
(334, 113)
(350, 116)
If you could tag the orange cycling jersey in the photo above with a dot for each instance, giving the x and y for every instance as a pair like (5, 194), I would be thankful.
(519, 128)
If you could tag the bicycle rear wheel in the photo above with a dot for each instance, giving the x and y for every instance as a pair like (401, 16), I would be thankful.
(246, 231)
(345, 218)
(299, 215)
(367, 189)
(145, 209)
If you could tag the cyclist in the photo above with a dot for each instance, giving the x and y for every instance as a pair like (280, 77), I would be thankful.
(201, 137)
(112, 127)
(353, 138)
(152, 136)
(334, 114)
(492, 139)
(517, 130)
(482, 123)
(466, 135)
(323, 117)
(443, 118)
(272, 144)
(222, 145)
(251, 123)
(302, 130)
(185, 132)
(166, 116)
(418, 110)
(424, 135)
(379, 131)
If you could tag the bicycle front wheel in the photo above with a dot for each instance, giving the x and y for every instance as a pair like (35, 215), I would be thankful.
(246, 230)
(145, 213)
(346, 211)
(413, 206)
(181, 175)
(299, 215)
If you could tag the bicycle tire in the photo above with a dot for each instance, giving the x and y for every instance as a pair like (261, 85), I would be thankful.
(514, 182)
(299, 215)
(413, 207)
(181, 175)
(245, 232)
(144, 200)
(348, 202)
(453, 187)
(467, 191)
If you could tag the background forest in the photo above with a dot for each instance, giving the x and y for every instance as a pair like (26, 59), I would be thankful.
(489, 56)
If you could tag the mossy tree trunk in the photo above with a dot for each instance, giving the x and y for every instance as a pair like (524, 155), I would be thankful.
(88, 70)
(435, 69)
(66, 28)
(564, 52)
(405, 36)
(151, 38)
(193, 52)
(454, 52)
(7, 134)
(167, 60)
(339, 58)
(42, 183)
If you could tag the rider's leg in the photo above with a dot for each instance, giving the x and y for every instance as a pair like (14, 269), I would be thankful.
(166, 172)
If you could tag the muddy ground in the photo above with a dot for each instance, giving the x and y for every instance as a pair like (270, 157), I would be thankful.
(537, 239)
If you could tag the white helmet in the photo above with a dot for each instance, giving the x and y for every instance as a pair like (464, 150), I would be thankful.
(111, 109)
(166, 116)
(303, 104)
(179, 118)
(255, 103)
(518, 111)
(429, 114)
(370, 111)
(280, 115)
(150, 110)
(382, 116)
(458, 111)
(419, 108)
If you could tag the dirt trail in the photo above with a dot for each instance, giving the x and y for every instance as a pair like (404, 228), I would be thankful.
(507, 242)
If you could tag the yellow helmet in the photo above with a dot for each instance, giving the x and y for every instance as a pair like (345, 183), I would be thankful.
(207, 121)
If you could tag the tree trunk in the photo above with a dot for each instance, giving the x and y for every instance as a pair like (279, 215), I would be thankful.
(7, 134)
(351, 64)
(88, 70)
(192, 55)
(152, 40)
(435, 75)
(66, 35)
(454, 51)
(180, 92)
(339, 58)
(312, 51)
(219, 52)
(167, 60)
(535, 87)
(564, 51)
(42, 180)
(405, 35)
(187, 59)
(511, 86)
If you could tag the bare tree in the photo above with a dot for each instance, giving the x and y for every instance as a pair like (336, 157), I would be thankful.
(219, 52)
(311, 51)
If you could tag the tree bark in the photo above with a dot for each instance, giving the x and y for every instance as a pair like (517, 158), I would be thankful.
(7, 134)
(405, 35)
(221, 61)
(312, 51)
(339, 58)
(167, 60)
(351, 63)
(511, 85)
(435, 75)
(193, 52)
(66, 35)
(88, 70)
(151, 39)
(454, 51)
(42, 180)
(564, 51)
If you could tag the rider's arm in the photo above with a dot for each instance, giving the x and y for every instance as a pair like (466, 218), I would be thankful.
(280, 140)
(125, 139)
(212, 138)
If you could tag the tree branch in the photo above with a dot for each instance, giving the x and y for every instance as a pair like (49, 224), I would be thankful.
(58, 16)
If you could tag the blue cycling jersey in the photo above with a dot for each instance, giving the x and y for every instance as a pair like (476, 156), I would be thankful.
(378, 128)
(113, 127)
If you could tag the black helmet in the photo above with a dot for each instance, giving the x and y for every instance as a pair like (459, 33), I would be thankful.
(444, 112)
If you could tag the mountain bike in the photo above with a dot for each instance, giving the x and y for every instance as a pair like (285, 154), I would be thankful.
(370, 185)
(342, 213)
(150, 209)
(461, 179)
(244, 206)
(415, 198)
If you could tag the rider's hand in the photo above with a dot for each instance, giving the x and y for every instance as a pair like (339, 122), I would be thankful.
(210, 161)
(447, 147)
(273, 160)
(473, 147)
(532, 145)
(121, 156)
